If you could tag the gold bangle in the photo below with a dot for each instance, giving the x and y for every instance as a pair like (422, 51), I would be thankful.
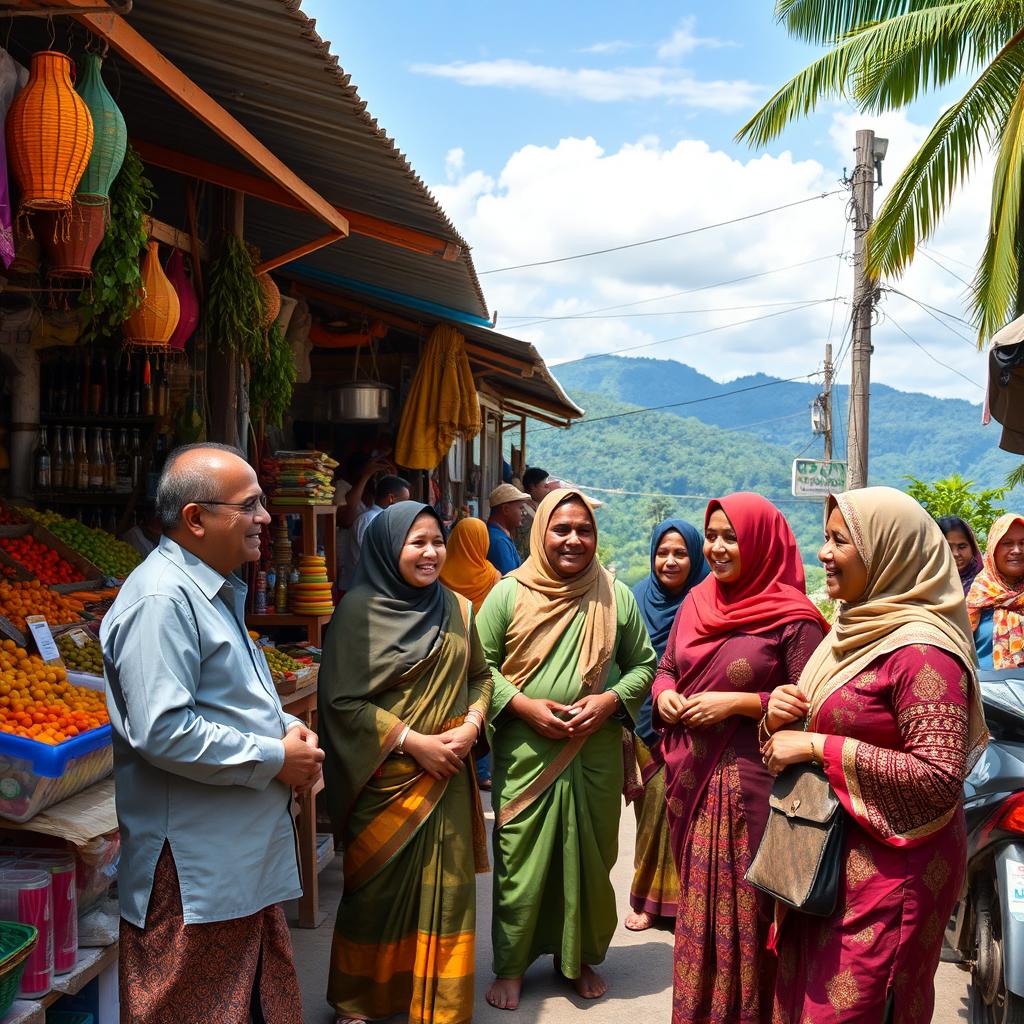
(814, 754)
(763, 735)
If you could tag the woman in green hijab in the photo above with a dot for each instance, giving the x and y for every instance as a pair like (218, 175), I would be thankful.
(404, 689)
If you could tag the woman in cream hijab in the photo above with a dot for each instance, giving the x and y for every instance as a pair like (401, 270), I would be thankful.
(572, 663)
(891, 709)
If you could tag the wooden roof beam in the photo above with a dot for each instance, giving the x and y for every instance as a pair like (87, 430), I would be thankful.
(297, 253)
(260, 188)
(152, 64)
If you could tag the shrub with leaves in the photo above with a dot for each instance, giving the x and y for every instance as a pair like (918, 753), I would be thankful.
(116, 290)
(235, 303)
(955, 496)
(272, 378)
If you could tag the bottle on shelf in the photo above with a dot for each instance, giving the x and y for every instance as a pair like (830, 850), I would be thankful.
(135, 390)
(81, 463)
(135, 456)
(97, 474)
(85, 384)
(122, 385)
(57, 462)
(109, 465)
(69, 459)
(281, 591)
(123, 465)
(42, 462)
(147, 388)
(99, 370)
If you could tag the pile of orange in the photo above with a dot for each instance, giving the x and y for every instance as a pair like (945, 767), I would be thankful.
(30, 597)
(38, 703)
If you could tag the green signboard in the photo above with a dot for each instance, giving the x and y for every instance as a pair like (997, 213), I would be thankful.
(815, 478)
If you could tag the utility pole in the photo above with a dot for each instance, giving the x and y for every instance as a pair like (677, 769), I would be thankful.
(826, 402)
(869, 155)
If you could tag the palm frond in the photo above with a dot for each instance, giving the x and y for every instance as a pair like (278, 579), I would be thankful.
(890, 62)
(825, 21)
(1015, 478)
(920, 195)
(995, 285)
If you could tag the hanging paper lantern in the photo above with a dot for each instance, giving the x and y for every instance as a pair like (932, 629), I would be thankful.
(271, 298)
(110, 135)
(187, 300)
(71, 242)
(49, 135)
(153, 323)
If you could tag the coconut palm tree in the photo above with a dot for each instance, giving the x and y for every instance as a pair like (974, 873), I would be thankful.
(883, 54)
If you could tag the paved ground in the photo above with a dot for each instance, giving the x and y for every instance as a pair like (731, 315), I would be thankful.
(638, 968)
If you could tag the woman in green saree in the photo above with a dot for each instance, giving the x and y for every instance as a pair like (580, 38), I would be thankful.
(404, 689)
(572, 663)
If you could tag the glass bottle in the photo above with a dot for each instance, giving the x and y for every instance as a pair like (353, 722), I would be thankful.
(85, 385)
(57, 462)
(135, 456)
(96, 472)
(42, 462)
(109, 466)
(69, 459)
(147, 388)
(135, 393)
(81, 463)
(281, 591)
(164, 402)
(99, 372)
(123, 465)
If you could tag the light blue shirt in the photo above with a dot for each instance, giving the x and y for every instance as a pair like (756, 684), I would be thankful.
(983, 639)
(197, 728)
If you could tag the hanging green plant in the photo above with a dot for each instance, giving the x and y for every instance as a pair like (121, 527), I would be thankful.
(272, 378)
(234, 302)
(116, 290)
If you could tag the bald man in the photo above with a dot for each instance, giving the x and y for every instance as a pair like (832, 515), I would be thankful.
(205, 762)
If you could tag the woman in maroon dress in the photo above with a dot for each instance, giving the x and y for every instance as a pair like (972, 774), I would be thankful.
(743, 631)
(892, 703)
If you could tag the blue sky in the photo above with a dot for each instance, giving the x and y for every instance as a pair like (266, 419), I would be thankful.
(552, 128)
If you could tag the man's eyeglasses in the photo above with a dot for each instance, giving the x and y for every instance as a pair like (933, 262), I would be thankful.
(250, 507)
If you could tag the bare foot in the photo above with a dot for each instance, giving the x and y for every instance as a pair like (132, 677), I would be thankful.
(504, 993)
(639, 920)
(590, 984)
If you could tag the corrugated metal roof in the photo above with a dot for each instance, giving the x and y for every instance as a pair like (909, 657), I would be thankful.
(265, 63)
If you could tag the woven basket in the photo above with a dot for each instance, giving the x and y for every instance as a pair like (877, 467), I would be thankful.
(49, 135)
(271, 298)
(71, 242)
(110, 138)
(153, 323)
(16, 944)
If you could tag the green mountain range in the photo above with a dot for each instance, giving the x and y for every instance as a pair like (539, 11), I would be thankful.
(741, 435)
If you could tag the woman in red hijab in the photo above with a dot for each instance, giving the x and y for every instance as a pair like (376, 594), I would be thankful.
(746, 629)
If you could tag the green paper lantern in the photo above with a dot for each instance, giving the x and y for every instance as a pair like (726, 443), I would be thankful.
(111, 134)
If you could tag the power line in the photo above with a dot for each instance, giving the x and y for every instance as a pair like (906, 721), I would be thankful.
(934, 309)
(676, 312)
(942, 266)
(538, 319)
(693, 334)
(966, 341)
(663, 238)
(676, 405)
(620, 492)
(934, 359)
(946, 256)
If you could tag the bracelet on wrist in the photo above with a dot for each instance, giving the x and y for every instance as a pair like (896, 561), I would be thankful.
(400, 748)
(763, 735)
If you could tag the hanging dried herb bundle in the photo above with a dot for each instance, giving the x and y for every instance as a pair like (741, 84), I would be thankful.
(235, 302)
(116, 290)
(272, 378)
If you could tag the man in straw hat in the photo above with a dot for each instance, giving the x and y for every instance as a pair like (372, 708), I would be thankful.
(508, 506)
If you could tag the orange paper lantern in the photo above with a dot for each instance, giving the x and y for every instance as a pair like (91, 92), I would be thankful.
(49, 135)
(153, 323)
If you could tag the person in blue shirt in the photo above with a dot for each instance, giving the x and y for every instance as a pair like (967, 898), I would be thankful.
(205, 763)
(508, 505)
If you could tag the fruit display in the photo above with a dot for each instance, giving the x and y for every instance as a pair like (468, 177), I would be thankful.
(280, 664)
(37, 702)
(110, 555)
(41, 561)
(10, 516)
(21, 598)
(312, 594)
(85, 657)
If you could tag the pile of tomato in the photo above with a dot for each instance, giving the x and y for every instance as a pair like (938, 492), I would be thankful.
(21, 598)
(38, 703)
(43, 562)
(9, 516)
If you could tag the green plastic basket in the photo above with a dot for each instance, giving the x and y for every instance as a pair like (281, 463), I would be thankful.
(16, 944)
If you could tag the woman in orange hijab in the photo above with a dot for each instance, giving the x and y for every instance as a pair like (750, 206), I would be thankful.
(466, 569)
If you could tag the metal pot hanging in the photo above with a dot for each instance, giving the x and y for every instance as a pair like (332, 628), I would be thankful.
(362, 401)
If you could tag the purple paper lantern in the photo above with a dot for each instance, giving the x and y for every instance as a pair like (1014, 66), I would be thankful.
(187, 299)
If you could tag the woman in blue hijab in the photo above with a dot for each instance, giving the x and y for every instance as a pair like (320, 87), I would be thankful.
(677, 565)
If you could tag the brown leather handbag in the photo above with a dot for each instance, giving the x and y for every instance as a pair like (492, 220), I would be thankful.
(800, 858)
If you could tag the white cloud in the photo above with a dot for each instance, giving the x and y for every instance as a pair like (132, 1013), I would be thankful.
(685, 40)
(676, 85)
(609, 46)
(576, 197)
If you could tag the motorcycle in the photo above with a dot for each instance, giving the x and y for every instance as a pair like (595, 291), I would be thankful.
(986, 933)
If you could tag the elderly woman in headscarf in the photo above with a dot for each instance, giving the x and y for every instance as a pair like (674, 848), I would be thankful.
(677, 565)
(404, 689)
(747, 628)
(572, 664)
(995, 601)
(892, 713)
(964, 546)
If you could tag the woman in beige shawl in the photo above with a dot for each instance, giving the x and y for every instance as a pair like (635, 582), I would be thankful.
(892, 713)
(572, 663)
